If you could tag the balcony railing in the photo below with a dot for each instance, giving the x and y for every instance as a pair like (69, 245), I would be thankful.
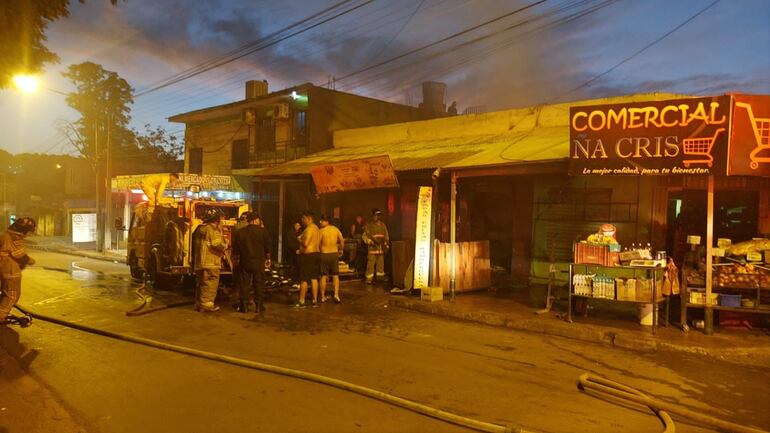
(286, 150)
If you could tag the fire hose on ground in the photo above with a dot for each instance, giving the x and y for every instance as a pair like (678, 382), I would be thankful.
(414, 406)
(599, 385)
(586, 382)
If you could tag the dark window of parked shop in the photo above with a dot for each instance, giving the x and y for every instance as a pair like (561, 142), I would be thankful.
(196, 161)
(240, 154)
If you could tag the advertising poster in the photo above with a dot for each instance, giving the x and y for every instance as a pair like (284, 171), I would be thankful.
(423, 238)
(368, 173)
(83, 227)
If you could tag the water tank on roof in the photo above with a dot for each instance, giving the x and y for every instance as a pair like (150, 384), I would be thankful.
(256, 88)
(433, 94)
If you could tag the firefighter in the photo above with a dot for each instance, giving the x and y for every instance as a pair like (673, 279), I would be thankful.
(377, 243)
(13, 258)
(211, 246)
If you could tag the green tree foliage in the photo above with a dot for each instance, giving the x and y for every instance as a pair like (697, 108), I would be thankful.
(159, 145)
(103, 100)
(22, 35)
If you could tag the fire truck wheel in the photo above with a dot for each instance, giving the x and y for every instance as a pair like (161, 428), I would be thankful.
(133, 263)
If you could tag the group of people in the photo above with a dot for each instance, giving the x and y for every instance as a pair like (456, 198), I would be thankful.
(250, 257)
(316, 249)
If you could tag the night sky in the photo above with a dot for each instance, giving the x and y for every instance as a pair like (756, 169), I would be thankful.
(540, 58)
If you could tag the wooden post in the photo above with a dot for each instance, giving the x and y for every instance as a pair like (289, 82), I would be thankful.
(281, 208)
(259, 200)
(452, 235)
(708, 311)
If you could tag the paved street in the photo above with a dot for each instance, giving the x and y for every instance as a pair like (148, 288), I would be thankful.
(486, 373)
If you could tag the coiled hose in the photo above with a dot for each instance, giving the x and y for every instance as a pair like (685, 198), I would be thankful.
(588, 382)
(299, 374)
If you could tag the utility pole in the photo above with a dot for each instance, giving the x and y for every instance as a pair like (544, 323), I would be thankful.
(107, 225)
(99, 227)
(5, 199)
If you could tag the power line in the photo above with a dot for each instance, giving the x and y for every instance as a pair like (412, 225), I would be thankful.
(636, 53)
(398, 33)
(442, 40)
(484, 54)
(246, 46)
(235, 79)
(253, 50)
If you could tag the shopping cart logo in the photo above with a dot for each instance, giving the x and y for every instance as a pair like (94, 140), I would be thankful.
(761, 129)
(700, 147)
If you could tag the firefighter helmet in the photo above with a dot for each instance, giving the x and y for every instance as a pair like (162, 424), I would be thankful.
(212, 214)
(23, 225)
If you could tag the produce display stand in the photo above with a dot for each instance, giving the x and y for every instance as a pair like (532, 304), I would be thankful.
(756, 290)
(652, 274)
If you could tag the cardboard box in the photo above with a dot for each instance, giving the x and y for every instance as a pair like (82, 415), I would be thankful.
(431, 294)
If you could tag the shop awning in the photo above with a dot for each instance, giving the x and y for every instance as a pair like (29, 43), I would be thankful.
(503, 138)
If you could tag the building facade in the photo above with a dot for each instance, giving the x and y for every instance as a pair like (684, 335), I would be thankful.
(266, 129)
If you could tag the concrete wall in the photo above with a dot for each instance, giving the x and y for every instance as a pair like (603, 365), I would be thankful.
(332, 111)
(215, 137)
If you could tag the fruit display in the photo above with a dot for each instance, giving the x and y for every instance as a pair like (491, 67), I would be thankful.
(598, 238)
(743, 248)
(742, 276)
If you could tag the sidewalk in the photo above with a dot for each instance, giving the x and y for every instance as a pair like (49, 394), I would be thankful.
(606, 324)
(62, 244)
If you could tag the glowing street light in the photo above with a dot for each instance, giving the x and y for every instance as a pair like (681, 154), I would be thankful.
(26, 83)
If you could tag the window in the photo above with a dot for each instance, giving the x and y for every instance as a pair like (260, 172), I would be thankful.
(240, 154)
(196, 161)
(265, 135)
(300, 124)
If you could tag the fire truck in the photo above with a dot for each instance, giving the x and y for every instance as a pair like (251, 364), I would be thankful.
(160, 241)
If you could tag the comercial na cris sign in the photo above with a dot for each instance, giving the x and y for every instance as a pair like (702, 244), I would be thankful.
(674, 137)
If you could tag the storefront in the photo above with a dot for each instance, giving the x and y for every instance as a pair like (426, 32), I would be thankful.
(710, 161)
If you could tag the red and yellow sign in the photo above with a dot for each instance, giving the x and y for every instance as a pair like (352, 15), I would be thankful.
(682, 137)
(368, 173)
(750, 136)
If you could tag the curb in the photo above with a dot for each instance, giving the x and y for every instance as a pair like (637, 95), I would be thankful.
(72, 252)
(748, 355)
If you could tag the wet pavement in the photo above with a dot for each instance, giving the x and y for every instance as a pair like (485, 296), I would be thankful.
(493, 374)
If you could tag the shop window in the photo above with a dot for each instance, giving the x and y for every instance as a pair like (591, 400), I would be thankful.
(240, 154)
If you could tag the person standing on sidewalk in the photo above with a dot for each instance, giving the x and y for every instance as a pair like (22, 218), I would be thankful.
(208, 259)
(252, 247)
(377, 243)
(13, 258)
(332, 245)
(309, 259)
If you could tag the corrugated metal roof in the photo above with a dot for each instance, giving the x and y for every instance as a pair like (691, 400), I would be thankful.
(480, 140)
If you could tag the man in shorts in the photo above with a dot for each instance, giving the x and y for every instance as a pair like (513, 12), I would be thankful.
(332, 244)
(309, 259)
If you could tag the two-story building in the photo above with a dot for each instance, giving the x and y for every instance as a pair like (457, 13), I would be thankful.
(268, 128)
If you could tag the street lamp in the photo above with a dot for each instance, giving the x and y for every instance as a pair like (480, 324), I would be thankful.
(26, 83)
